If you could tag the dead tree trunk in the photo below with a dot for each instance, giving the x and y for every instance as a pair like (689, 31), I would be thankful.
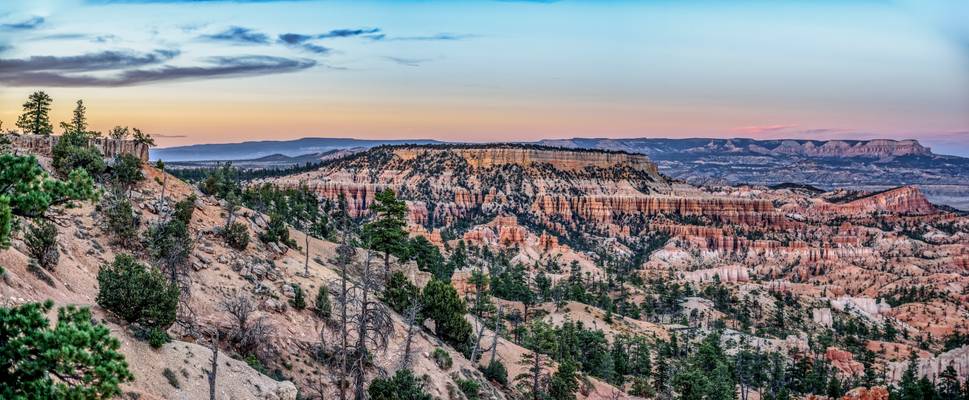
(306, 265)
(161, 198)
(213, 373)
(362, 318)
(412, 313)
(345, 254)
(494, 342)
(477, 340)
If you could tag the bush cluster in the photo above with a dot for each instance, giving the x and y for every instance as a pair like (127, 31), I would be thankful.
(137, 293)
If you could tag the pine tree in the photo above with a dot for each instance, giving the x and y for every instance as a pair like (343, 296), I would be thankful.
(949, 388)
(27, 191)
(126, 172)
(542, 342)
(908, 388)
(428, 257)
(137, 293)
(402, 386)
(36, 117)
(119, 132)
(442, 304)
(564, 382)
(400, 293)
(140, 137)
(299, 299)
(78, 122)
(76, 359)
(41, 241)
(323, 307)
(386, 232)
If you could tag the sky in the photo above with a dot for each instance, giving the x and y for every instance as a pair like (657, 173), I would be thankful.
(226, 71)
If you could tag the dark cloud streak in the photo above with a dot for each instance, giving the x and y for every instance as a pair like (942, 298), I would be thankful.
(106, 60)
(409, 62)
(58, 73)
(343, 33)
(240, 35)
(27, 24)
(427, 38)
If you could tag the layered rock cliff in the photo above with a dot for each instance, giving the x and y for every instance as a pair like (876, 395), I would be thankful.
(904, 200)
(568, 192)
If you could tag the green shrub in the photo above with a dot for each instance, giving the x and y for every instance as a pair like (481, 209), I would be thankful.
(277, 232)
(443, 305)
(137, 293)
(237, 236)
(496, 371)
(170, 245)
(185, 208)
(402, 386)
(442, 358)
(121, 219)
(400, 293)
(323, 307)
(73, 151)
(126, 171)
(470, 388)
(171, 377)
(41, 240)
(299, 299)
(256, 364)
(157, 337)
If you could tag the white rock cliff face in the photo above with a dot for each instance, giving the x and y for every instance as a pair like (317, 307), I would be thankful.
(932, 367)
(729, 273)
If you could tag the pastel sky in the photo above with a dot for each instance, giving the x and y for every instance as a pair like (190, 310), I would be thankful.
(225, 71)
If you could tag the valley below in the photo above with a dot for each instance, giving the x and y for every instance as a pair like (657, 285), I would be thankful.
(500, 271)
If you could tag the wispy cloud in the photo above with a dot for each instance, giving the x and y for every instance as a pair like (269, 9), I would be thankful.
(239, 35)
(76, 71)
(162, 135)
(302, 41)
(30, 23)
(758, 129)
(434, 37)
(105, 60)
(342, 33)
(410, 62)
(294, 38)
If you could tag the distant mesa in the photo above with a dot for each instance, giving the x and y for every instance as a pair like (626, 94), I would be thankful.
(875, 148)
(257, 149)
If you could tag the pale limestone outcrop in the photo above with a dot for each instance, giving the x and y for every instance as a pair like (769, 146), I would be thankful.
(822, 316)
(931, 367)
(109, 148)
(729, 273)
(866, 306)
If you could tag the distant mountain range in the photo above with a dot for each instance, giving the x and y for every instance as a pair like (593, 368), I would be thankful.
(679, 148)
(828, 164)
(855, 164)
(263, 148)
